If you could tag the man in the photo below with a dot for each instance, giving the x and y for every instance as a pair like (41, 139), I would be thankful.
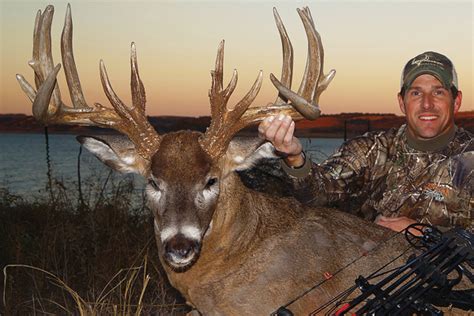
(420, 172)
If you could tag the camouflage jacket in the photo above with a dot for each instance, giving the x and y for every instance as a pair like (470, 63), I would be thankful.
(379, 173)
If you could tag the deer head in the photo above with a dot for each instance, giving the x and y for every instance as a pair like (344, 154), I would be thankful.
(185, 170)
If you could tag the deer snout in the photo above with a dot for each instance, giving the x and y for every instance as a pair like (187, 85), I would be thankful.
(181, 252)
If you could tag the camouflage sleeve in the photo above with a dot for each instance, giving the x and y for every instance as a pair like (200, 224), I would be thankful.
(456, 177)
(458, 213)
(344, 179)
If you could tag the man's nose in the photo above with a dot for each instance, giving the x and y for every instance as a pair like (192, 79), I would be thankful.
(427, 102)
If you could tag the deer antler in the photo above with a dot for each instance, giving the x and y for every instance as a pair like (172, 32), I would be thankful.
(225, 123)
(48, 107)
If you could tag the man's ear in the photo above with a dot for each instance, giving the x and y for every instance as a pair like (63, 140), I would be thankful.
(401, 103)
(244, 152)
(457, 102)
(117, 152)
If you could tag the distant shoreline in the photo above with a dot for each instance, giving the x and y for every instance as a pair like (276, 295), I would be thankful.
(326, 126)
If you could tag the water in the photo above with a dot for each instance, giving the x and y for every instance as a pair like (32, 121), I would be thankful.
(318, 149)
(23, 163)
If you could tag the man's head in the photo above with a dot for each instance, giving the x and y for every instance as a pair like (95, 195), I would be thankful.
(429, 95)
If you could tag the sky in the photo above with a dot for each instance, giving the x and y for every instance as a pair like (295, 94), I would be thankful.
(367, 42)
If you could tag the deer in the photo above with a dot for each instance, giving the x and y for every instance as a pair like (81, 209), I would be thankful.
(228, 249)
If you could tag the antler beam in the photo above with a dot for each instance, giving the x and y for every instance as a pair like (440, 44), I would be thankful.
(225, 123)
(48, 107)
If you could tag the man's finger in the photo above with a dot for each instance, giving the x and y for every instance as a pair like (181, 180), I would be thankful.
(272, 129)
(282, 130)
(263, 126)
(289, 134)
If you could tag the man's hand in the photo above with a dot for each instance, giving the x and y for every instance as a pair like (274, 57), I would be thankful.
(394, 223)
(279, 131)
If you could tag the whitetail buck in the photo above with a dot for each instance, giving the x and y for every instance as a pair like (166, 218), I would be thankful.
(228, 249)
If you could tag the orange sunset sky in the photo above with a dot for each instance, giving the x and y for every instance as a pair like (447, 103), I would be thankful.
(367, 42)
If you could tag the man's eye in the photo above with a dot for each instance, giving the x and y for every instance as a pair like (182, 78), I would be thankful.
(415, 93)
(439, 92)
(153, 184)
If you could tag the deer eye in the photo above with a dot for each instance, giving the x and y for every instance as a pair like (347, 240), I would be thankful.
(154, 184)
(211, 182)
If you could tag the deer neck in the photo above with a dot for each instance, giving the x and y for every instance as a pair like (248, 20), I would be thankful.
(235, 224)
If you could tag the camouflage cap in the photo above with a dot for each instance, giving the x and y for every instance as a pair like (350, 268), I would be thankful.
(431, 63)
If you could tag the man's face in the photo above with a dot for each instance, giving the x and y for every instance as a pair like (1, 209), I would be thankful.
(429, 107)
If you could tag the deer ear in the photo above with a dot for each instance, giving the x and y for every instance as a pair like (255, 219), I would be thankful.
(117, 152)
(243, 153)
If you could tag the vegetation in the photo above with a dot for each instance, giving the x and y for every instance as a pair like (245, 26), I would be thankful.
(64, 255)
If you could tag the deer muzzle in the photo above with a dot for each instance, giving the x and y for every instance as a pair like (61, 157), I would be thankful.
(180, 252)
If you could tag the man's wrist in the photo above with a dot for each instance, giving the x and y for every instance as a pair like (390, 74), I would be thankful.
(295, 161)
(293, 167)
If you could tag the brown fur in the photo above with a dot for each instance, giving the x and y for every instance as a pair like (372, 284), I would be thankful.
(262, 250)
(267, 251)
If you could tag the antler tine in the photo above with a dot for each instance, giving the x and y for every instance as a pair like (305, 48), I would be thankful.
(36, 46)
(287, 65)
(42, 62)
(70, 69)
(314, 62)
(44, 94)
(138, 90)
(219, 97)
(26, 87)
(48, 107)
(225, 123)
(133, 121)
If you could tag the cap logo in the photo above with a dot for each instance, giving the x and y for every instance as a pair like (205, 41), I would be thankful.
(425, 59)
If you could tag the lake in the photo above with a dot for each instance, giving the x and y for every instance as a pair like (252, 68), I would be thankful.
(24, 167)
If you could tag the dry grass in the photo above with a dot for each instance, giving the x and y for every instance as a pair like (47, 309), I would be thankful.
(62, 257)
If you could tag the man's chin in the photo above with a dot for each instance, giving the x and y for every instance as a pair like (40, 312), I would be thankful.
(426, 130)
(425, 134)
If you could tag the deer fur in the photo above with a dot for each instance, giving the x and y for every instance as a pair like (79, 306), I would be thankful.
(257, 251)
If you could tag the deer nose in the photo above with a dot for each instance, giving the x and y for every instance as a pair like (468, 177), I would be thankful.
(179, 247)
